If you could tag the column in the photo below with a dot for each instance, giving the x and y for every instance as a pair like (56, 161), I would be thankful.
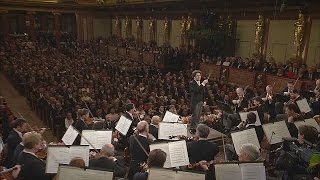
(30, 23)
(5, 24)
(57, 31)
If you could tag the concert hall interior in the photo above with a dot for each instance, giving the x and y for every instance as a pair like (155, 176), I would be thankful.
(160, 89)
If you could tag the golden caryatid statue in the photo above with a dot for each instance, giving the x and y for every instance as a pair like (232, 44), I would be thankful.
(230, 26)
(183, 31)
(189, 23)
(221, 22)
(152, 29)
(127, 25)
(166, 31)
(299, 26)
(259, 34)
(139, 28)
(117, 26)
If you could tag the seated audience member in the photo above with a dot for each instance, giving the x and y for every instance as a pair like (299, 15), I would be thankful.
(249, 152)
(108, 161)
(33, 167)
(156, 159)
(203, 151)
(154, 126)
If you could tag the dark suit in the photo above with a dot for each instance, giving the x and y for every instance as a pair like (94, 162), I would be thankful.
(315, 106)
(33, 167)
(12, 141)
(80, 126)
(153, 130)
(105, 163)
(141, 176)
(197, 99)
(137, 153)
(17, 153)
(292, 129)
(203, 150)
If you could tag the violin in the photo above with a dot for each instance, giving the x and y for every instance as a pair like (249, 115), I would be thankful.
(7, 174)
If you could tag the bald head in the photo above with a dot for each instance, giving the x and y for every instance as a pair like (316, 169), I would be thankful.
(143, 127)
(318, 83)
(107, 150)
(239, 91)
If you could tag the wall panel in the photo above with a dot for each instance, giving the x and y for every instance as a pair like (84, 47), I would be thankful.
(145, 31)
(280, 40)
(246, 36)
(313, 57)
(101, 27)
(175, 33)
(160, 32)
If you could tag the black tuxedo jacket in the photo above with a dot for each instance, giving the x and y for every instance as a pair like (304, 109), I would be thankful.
(136, 152)
(105, 163)
(154, 131)
(202, 150)
(197, 92)
(33, 167)
(315, 106)
(13, 141)
(17, 153)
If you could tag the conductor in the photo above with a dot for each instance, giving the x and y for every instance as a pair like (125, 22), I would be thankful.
(197, 91)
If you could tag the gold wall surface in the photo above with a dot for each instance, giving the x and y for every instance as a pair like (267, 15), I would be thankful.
(101, 27)
(145, 30)
(123, 29)
(134, 27)
(280, 40)
(175, 33)
(245, 36)
(314, 44)
(160, 32)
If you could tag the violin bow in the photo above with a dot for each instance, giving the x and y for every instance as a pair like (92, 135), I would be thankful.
(95, 149)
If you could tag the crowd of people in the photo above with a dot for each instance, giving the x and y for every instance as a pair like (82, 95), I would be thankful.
(82, 85)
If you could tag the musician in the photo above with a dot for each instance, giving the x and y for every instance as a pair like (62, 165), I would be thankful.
(203, 150)
(285, 95)
(292, 112)
(33, 167)
(197, 91)
(68, 121)
(108, 161)
(14, 138)
(139, 147)
(270, 102)
(129, 114)
(249, 152)
(154, 126)
(109, 123)
(81, 124)
(315, 101)
(307, 133)
(156, 159)
(19, 148)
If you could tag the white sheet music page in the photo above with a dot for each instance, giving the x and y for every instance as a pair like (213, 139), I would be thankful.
(80, 151)
(303, 105)
(75, 173)
(178, 153)
(123, 125)
(164, 147)
(172, 129)
(70, 135)
(170, 117)
(242, 137)
(96, 138)
(243, 117)
(311, 122)
(161, 174)
(181, 175)
(276, 131)
(253, 171)
(227, 172)
(56, 155)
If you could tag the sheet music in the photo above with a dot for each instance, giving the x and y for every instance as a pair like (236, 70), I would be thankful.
(178, 153)
(226, 63)
(243, 117)
(70, 135)
(62, 155)
(172, 129)
(164, 147)
(242, 137)
(161, 174)
(276, 131)
(75, 173)
(253, 171)
(311, 122)
(96, 138)
(303, 105)
(181, 175)
(170, 117)
(228, 172)
(123, 125)
(80, 151)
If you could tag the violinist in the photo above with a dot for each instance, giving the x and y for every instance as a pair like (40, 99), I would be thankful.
(203, 150)
(154, 126)
(292, 112)
(270, 102)
(33, 167)
(84, 123)
(251, 123)
(257, 105)
(315, 101)
(14, 139)
(249, 152)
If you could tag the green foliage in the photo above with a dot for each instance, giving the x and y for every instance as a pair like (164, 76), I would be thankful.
(314, 163)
